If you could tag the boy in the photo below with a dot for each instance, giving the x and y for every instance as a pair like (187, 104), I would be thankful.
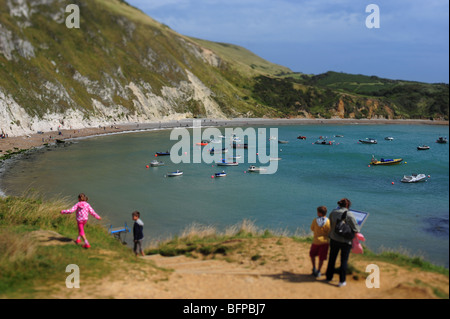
(320, 227)
(138, 233)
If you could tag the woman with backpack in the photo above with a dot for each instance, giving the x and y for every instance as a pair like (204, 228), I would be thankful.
(343, 229)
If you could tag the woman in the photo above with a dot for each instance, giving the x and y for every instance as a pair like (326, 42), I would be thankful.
(339, 243)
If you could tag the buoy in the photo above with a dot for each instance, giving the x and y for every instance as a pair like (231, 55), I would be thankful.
(393, 183)
(156, 155)
(245, 172)
(212, 176)
(368, 165)
(406, 162)
(429, 176)
(146, 166)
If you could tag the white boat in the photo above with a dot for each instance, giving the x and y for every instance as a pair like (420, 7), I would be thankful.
(213, 151)
(275, 159)
(221, 174)
(227, 163)
(389, 138)
(214, 141)
(176, 173)
(256, 169)
(369, 141)
(234, 157)
(414, 178)
(155, 163)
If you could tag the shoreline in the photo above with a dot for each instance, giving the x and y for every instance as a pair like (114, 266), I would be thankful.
(26, 142)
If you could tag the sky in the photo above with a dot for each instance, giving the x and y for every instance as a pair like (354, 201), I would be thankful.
(316, 36)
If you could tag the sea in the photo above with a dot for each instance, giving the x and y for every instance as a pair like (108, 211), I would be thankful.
(411, 218)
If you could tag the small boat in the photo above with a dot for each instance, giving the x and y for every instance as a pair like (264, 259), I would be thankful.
(275, 159)
(389, 138)
(163, 153)
(155, 163)
(338, 135)
(202, 143)
(423, 148)
(255, 169)
(369, 141)
(442, 140)
(384, 161)
(324, 142)
(222, 174)
(245, 145)
(214, 141)
(234, 157)
(176, 173)
(223, 163)
(272, 138)
(301, 137)
(213, 151)
(282, 142)
(414, 178)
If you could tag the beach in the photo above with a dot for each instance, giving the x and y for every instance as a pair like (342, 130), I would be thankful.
(16, 143)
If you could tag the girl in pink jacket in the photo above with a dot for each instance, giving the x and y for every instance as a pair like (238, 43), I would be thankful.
(83, 210)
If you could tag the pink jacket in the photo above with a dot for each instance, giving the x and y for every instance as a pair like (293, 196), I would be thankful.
(83, 210)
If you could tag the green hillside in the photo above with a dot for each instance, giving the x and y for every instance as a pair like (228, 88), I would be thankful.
(122, 66)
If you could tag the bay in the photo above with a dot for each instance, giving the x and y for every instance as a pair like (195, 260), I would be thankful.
(112, 171)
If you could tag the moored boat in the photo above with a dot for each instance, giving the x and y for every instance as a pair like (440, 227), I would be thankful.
(162, 153)
(384, 161)
(227, 164)
(255, 169)
(282, 142)
(176, 173)
(389, 138)
(221, 174)
(423, 148)
(414, 178)
(442, 140)
(155, 163)
(369, 141)
(213, 151)
(301, 137)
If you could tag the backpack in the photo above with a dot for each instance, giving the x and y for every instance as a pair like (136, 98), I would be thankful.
(343, 229)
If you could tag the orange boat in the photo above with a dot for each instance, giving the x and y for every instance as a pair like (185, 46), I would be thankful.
(202, 143)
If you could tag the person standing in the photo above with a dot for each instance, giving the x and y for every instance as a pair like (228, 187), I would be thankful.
(339, 243)
(320, 226)
(138, 233)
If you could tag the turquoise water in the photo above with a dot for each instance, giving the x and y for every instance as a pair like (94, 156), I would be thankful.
(111, 171)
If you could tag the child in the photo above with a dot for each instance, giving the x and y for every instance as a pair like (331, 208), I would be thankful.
(138, 233)
(83, 210)
(320, 227)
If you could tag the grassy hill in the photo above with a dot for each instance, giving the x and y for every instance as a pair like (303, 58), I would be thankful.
(123, 66)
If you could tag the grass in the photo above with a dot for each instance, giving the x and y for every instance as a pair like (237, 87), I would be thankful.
(28, 268)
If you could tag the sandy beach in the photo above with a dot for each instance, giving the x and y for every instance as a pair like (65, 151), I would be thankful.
(16, 143)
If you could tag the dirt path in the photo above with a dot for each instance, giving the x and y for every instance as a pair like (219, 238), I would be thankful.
(281, 271)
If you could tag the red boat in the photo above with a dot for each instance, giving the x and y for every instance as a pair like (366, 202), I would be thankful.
(301, 137)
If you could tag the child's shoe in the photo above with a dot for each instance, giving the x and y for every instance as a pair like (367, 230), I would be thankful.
(77, 241)
(86, 246)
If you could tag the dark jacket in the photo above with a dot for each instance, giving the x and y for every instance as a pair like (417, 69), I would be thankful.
(138, 230)
(335, 215)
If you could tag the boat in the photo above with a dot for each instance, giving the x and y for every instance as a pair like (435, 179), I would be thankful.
(162, 153)
(384, 161)
(245, 145)
(221, 174)
(301, 137)
(155, 163)
(275, 159)
(234, 157)
(442, 140)
(369, 141)
(202, 143)
(339, 135)
(389, 138)
(423, 148)
(255, 169)
(223, 163)
(414, 178)
(215, 141)
(176, 173)
(213, 151)
(282, 142)
(324, 142)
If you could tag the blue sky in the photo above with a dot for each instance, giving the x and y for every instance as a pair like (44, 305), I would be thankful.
(315, 36)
